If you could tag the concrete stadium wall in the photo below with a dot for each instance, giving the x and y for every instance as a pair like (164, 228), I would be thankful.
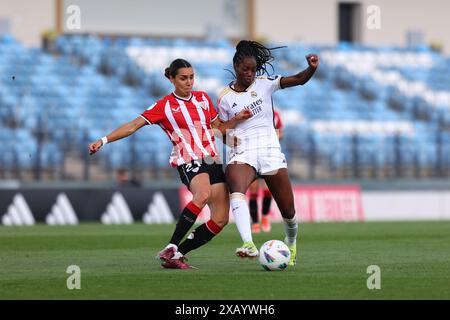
(27, 19)
(284, 20)
(406, 205)
(194, 18)
(317, 21)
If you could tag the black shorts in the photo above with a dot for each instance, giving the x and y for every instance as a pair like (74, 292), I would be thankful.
(189, 170)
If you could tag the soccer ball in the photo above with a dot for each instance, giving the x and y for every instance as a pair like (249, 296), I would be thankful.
(274, 255)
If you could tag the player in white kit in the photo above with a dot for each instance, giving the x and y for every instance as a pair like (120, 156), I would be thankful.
(259, 152)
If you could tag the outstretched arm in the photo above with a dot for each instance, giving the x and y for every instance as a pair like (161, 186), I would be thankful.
(223, 126)
(119, 133)
(302, 77)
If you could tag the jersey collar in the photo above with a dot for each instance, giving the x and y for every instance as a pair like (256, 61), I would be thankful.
(180, 98)
(246, 90)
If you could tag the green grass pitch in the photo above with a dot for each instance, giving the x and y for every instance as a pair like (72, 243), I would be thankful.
(118, 262)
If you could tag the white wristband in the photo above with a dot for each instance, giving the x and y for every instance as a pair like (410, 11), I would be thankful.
(104, 141)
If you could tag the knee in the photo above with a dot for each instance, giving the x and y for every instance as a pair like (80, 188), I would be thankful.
(201, 198)
(221, 222)
(253, 188)
(288, 212)
(233, 183)
(236, 186)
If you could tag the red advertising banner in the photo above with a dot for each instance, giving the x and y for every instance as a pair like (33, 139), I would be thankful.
(313, 203)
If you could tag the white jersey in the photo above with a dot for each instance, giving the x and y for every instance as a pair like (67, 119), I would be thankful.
(258, 132)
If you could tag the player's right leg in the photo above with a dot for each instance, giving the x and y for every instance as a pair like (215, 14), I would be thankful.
(239, 176)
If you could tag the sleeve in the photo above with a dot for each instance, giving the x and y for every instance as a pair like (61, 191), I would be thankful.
(154, 114)
(212, 110)
(273, 83)
(223, 109)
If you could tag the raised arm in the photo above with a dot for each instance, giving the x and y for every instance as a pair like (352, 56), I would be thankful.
(119, 133)
(302, 77)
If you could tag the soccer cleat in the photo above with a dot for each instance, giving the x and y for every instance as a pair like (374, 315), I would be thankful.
(176, 264)
(256, 228)
(167, 253)
(265, 223)
(248, 250)
(293, 250)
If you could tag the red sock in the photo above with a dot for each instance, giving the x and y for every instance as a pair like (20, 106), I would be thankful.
(267, 193)
(213, 227)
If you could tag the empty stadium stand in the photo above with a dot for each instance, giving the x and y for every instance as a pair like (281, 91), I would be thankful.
(369, 112)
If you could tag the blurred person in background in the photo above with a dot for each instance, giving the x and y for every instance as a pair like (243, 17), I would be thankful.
(124, 179)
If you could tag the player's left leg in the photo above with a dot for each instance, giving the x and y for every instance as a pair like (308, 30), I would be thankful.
(201, 190)
(219, 205)
(280, 186)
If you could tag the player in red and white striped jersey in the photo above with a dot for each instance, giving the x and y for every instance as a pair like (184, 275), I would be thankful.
(188, 118)
(187, 122)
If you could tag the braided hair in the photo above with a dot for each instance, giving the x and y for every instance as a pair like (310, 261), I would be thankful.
(262, 55)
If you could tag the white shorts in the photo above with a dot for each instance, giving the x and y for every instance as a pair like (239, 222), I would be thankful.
(264, 161)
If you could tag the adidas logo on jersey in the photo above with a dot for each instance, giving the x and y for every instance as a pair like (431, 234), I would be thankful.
(234, 105)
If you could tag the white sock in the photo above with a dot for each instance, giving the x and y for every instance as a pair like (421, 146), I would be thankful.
(241, 215)
(177, 255)
(291, 229)
(171, 245)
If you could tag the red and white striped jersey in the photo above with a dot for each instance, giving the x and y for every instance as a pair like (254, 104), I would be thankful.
(277, 120)
(188, 125)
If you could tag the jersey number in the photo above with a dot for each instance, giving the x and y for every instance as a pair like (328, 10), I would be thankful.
(193, 166)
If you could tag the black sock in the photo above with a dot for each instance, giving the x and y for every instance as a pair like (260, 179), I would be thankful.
(253, 206)
(266, 205)
(185, 222)
(199, 237)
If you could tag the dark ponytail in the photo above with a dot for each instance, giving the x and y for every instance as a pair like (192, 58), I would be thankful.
(262, 55)
(176, 64)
